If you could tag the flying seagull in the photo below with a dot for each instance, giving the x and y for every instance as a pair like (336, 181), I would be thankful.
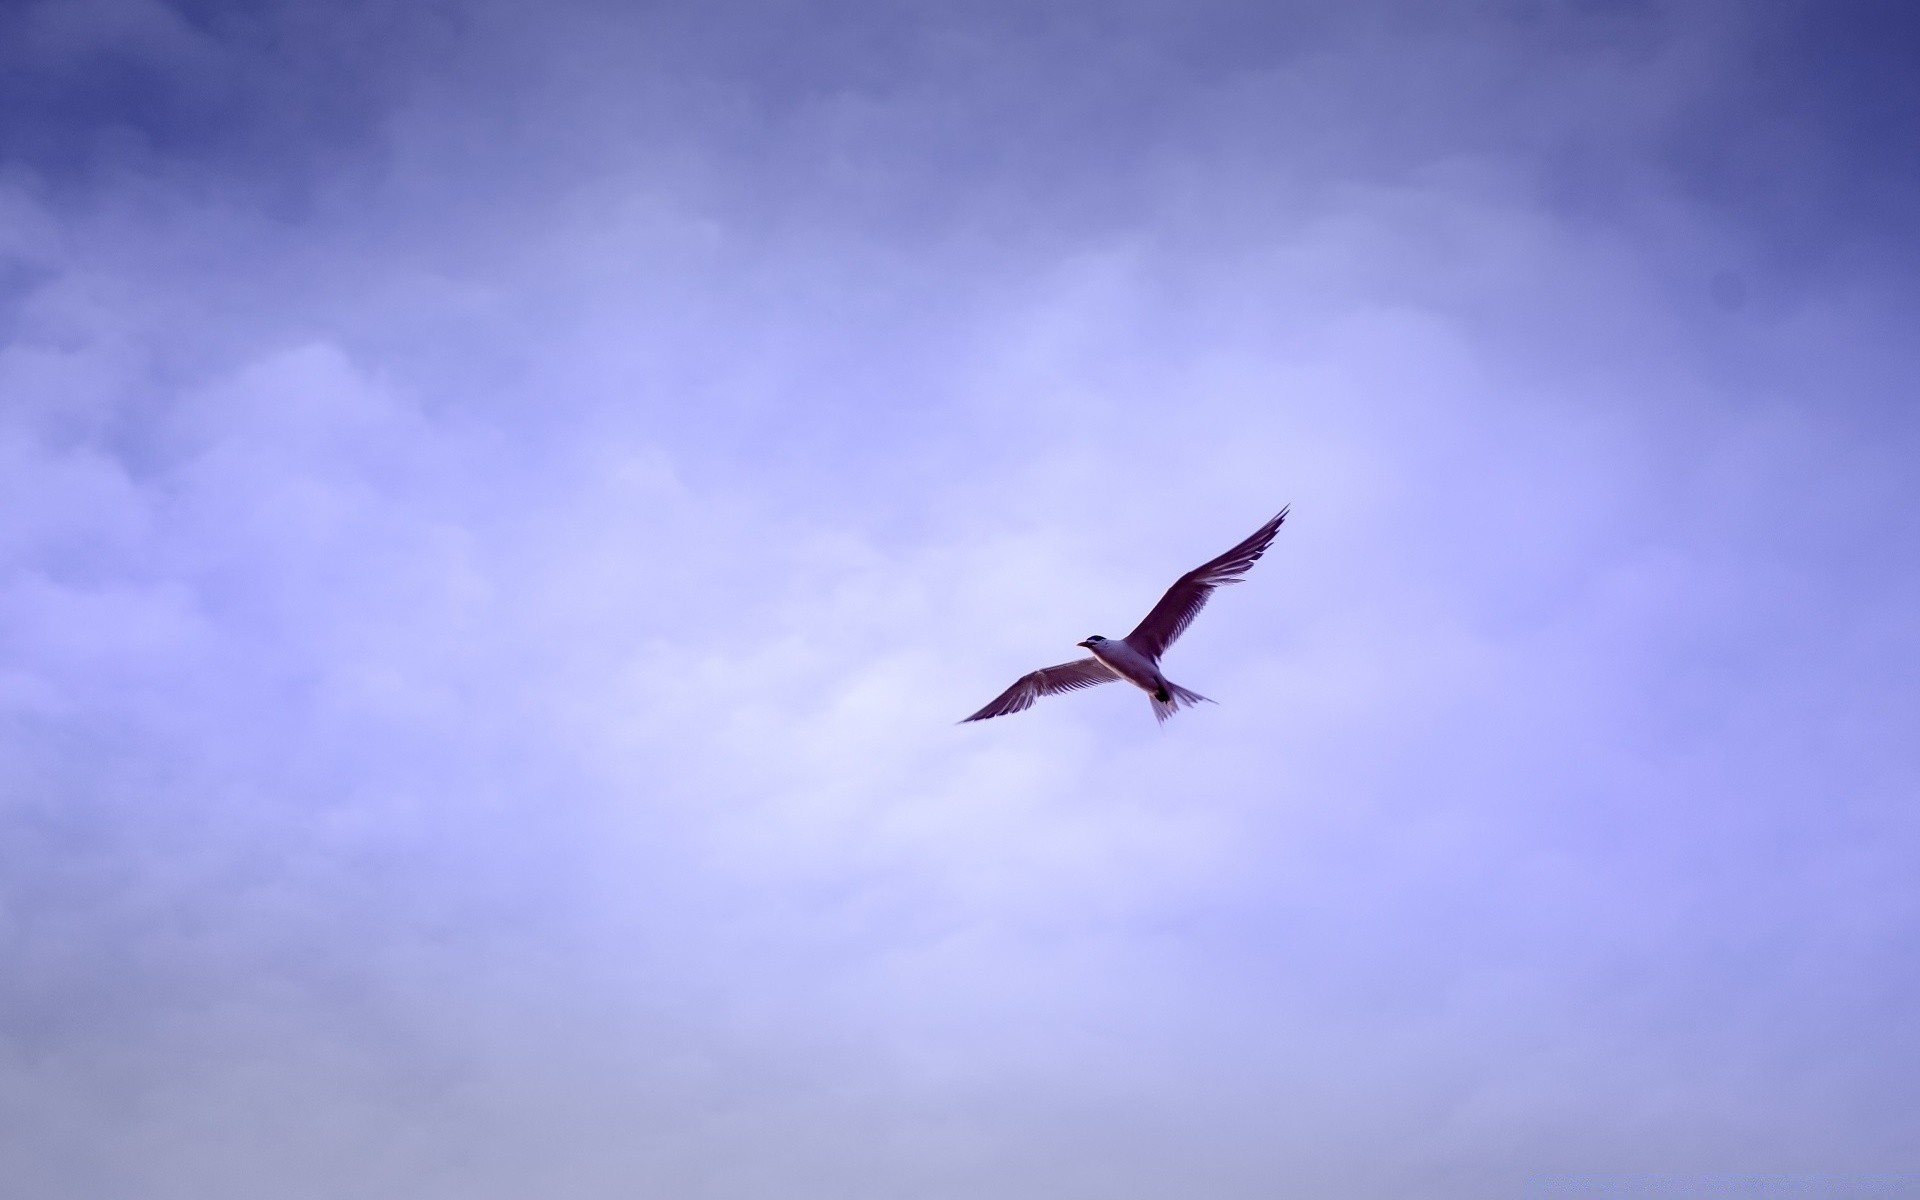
(1136, 657)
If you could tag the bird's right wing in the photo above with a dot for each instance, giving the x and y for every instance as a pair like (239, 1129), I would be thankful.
(1047, 681)
(1188, 595)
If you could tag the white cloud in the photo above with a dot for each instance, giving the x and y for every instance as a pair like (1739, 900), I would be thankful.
(480, 659)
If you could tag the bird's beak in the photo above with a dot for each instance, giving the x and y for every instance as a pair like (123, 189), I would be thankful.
(1088, 645)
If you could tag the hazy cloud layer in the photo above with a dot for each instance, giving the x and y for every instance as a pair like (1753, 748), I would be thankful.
(500, 507)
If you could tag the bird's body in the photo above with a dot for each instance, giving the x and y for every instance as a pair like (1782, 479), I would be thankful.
(1129, 664)
(1136, 657)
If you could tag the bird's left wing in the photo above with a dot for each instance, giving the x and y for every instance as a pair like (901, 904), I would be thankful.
(1188, 595)
(1067, 677)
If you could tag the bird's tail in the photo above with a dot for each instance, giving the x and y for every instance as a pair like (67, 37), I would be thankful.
(1171, 699)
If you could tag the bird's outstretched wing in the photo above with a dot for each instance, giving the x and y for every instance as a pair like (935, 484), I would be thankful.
(1184, 600)
(1067, 677)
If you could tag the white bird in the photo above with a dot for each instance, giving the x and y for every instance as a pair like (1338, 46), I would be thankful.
(1136, 657)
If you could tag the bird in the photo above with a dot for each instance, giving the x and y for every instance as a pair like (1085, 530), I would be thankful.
(1136, 657)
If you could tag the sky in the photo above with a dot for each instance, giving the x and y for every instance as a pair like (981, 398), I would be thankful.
(502, 506)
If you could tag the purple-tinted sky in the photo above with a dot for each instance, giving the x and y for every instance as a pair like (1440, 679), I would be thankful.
(501, 505)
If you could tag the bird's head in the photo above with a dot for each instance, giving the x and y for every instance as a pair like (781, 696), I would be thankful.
(1091, 642)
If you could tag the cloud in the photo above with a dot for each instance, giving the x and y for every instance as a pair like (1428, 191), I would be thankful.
(500, 511)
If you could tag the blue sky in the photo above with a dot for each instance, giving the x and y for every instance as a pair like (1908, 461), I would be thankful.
(501, 506)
